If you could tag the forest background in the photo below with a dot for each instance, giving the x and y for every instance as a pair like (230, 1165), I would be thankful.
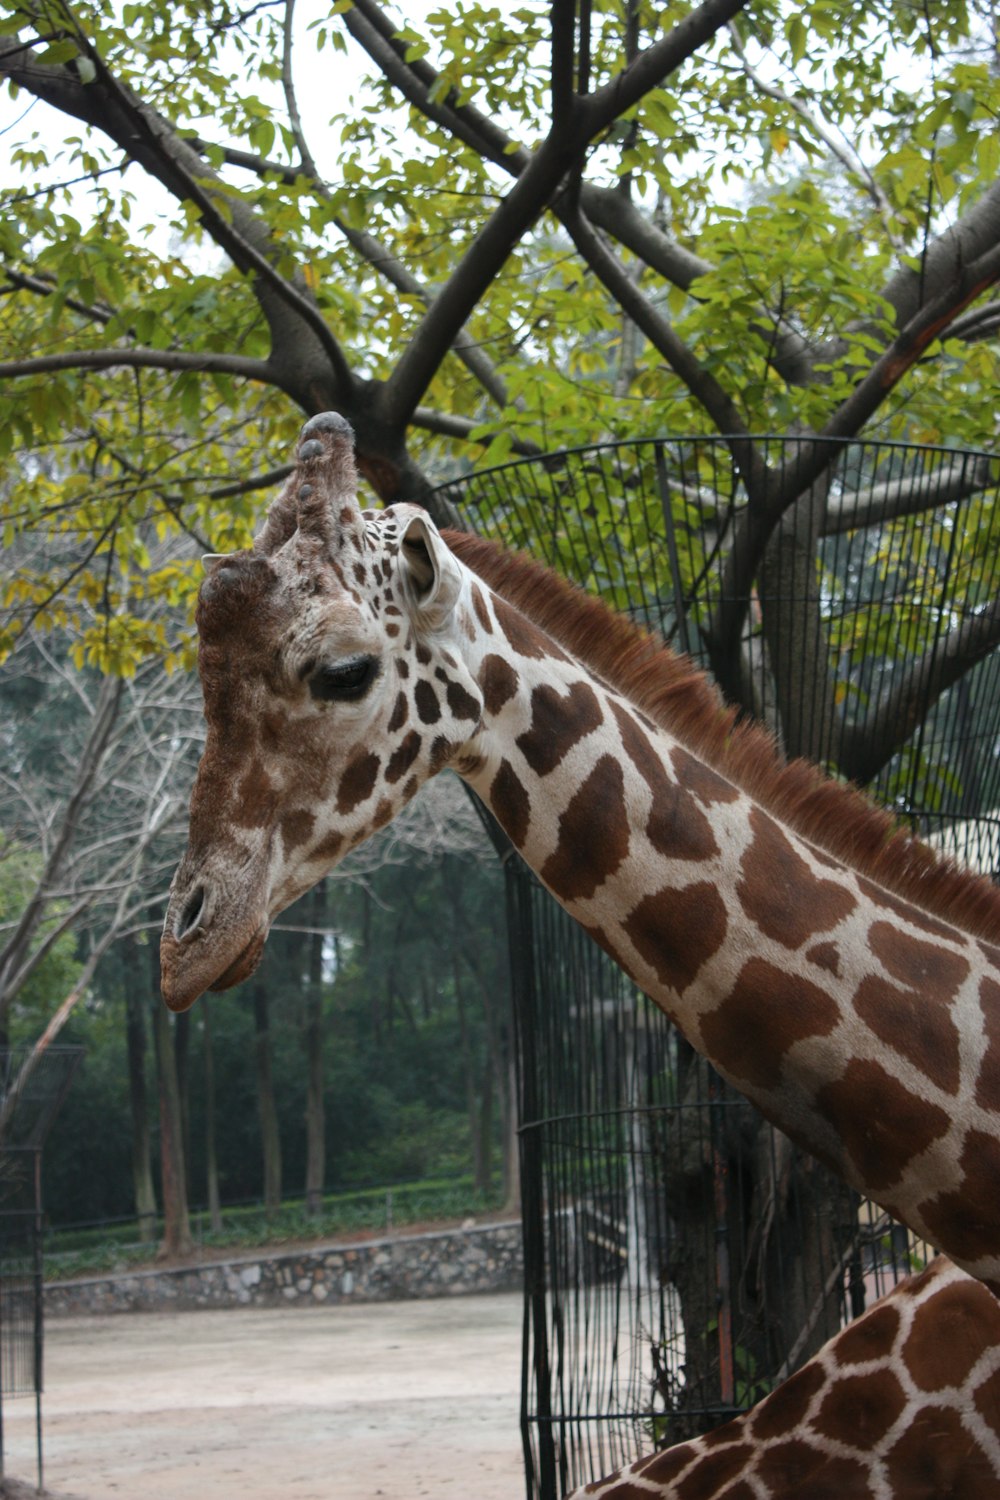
(478, 232)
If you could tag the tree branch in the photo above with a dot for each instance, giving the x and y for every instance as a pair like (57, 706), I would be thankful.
(867, 746)
(105, 716)
(702, 385)
(783, 487)
(418, 83)
(530, 195)
(847, 158)
(909, 290)
(42, 287)
(905, 497)
(139, 358)
(149, 139)
(291, 102)
(447, 424)
(382, 260)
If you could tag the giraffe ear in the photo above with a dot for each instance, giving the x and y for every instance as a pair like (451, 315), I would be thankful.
(431, 575)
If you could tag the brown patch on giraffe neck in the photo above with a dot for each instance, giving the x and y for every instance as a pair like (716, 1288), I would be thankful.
(987, 1399)
(767, 1011)
(508, 797)
(882, 1124)
(497, 682)
(593, 834)
(714, 1471)
(779, 891)
(786, 1407)
(988, 1082)
(969, 1216)
(905, 909)
(402, 757)
(825, 956)
(707, 785)
(938, 1455)
(296, 829)
(358, 781)
(869, 1336)
(915, 1021)
(482, 613)
(522, 634)
(677, 828)
(661, 1468)
(676, 931)
(948, 1335)
(860, 1409)
(800, 1468)
(558, 722)
(679, 698)
(256, 798)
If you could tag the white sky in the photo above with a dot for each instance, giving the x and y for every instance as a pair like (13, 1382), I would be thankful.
(324, 83)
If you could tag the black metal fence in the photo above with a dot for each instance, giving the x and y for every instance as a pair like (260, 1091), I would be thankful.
(32, 1088)
(681, 1256)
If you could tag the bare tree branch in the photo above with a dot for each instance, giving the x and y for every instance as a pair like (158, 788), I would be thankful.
(138, 358)
(291, 102)
(905, 497)
(105, 716)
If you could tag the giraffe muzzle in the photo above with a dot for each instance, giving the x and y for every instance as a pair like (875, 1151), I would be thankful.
(212, 939)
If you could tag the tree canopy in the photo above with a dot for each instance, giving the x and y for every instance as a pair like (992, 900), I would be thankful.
(491, 229)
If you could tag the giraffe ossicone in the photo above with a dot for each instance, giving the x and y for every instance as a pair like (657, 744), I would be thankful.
(840, 975)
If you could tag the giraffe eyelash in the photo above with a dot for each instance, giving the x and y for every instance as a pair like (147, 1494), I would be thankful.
(346, 682)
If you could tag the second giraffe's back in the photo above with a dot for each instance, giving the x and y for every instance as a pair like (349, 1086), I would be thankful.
(902, 1404)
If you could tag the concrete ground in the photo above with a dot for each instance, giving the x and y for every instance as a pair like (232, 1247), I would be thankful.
(390, 1401)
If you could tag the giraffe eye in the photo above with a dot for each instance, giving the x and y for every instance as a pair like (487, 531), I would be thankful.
(346, 682)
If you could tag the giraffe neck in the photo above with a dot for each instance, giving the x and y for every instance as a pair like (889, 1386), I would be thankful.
(857, 1022)
(903, 1402)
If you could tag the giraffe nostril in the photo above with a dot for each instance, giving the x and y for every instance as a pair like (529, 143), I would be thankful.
(189, 917)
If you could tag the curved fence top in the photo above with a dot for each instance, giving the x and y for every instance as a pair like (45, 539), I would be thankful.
(865, 635)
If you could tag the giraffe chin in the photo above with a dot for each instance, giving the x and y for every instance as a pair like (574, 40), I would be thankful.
(244, 964)
(187, 971)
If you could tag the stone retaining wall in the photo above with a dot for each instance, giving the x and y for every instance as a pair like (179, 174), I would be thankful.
(481, 1258)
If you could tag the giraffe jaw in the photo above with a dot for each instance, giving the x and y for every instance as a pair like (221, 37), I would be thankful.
(187, 970)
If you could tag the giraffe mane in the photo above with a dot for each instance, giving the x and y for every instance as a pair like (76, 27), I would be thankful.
(677, 695)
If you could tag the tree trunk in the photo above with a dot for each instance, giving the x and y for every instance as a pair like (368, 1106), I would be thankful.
(469, 1075)
(211, 1158)
(778, 1229)
(798, 646)
(182, 1050)
(135, 1039)
(176, 1222)
(270, 1138)
(312, 1041)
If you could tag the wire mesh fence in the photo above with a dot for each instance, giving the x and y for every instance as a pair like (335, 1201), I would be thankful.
(681, 1256)
(878, 588)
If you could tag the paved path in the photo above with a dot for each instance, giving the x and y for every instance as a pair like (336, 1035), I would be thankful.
(379, 1402)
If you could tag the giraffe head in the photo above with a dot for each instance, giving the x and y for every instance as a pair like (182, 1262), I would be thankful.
(332, 692)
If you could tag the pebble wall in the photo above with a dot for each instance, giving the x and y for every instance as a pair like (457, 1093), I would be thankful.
(478, 1258)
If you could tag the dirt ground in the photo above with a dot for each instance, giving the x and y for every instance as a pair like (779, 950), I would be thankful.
(379, 1402)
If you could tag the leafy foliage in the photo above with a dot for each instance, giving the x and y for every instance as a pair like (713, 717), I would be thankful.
(195, 252)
